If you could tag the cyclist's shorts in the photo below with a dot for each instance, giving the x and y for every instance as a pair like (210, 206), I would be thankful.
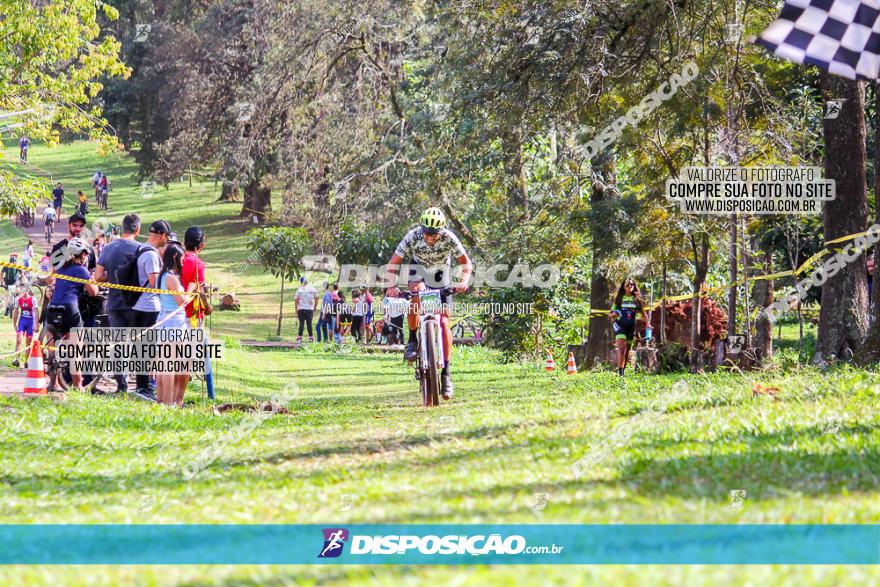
(26, 325)
(624, 330)
(63, 317)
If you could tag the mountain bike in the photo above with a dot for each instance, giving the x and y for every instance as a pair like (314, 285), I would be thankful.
(25, 219)
(430, 359)
(50, 228)
(101, 197)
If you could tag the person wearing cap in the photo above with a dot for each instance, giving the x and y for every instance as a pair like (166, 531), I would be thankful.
(147, 307)
(75, 224)
(114, 256)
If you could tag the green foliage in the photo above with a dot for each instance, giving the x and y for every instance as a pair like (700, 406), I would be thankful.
(280, 249)
(513, 332)
(358, 243)
(52, 59)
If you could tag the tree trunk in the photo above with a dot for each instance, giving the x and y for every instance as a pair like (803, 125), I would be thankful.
(257, 201)
(701, 263)
(599, 334)
(280, 309)
(843, 318)
(870, 352)
(228, 191)
(762, 293)
(663, 306)
(732, 267)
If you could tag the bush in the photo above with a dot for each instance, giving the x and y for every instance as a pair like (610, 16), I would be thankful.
(713, 323)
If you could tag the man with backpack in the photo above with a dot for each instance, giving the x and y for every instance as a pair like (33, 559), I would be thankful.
(125, 261)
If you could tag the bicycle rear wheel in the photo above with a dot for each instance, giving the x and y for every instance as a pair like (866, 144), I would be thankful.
(431, 378)
(54, 378)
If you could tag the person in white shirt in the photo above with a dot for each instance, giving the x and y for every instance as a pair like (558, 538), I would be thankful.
(28, 253)
(305, 307)
(394, 309)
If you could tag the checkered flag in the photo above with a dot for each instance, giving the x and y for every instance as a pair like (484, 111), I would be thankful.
(839, 36)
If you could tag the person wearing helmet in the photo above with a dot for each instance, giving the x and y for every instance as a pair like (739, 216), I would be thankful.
(66, 295)
(431, 247)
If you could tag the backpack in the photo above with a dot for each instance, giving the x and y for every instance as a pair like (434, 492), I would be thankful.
(127, 274)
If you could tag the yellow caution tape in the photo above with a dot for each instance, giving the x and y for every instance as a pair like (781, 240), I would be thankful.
(91, 281)
(706, 292)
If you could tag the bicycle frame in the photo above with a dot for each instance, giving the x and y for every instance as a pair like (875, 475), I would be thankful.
(423, 335)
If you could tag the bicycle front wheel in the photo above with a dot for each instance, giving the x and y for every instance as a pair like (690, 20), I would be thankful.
(431, 379)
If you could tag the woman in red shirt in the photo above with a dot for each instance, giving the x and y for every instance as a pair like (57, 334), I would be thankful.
(193, 274)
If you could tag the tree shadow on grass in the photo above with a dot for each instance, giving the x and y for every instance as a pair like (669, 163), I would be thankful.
(771, 467)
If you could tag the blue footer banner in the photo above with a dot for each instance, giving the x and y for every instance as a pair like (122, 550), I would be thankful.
(455, 544)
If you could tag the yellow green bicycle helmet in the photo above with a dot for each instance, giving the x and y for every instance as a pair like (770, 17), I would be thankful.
(433, 220)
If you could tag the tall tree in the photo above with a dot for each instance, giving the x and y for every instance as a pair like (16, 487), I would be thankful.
(843, 318)
(51, 63)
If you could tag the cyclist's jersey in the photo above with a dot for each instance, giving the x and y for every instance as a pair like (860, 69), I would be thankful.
(26, 305)
(49, 214)
(629, 305)
(447, 247)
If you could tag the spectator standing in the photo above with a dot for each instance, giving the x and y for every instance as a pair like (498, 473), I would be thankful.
(192, 279)
(146, 309)
(58, 199)
(75, 224)
(10, 276)
(46, 263)
(358, 311)
(305, 307)
(28, 253)
(114, 256)
(325, 325)
(192, 275)
(99, 244)
(83, 205)
(394, 309)
(368, 314)
(334, 313)
(171, 387)
(343, 317)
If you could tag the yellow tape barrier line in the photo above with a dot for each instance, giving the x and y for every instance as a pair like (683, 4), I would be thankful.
(90, 281)
(707, 291)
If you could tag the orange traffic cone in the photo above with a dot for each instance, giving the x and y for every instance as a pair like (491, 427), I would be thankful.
(549, 364)
(571, 369)
(36, 374)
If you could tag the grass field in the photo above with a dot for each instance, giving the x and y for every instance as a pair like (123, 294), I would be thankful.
(355, 429)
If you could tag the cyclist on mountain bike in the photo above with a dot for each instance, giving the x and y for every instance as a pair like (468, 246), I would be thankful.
(23, 144)
(63, 313)
(431, 246)
(49, 218)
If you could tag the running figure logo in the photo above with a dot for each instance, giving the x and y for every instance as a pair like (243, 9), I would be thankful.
(334, 540)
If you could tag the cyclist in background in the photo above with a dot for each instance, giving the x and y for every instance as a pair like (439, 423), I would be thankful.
(431, 246)
(23, 144)
(63, 311)
(49, 218)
